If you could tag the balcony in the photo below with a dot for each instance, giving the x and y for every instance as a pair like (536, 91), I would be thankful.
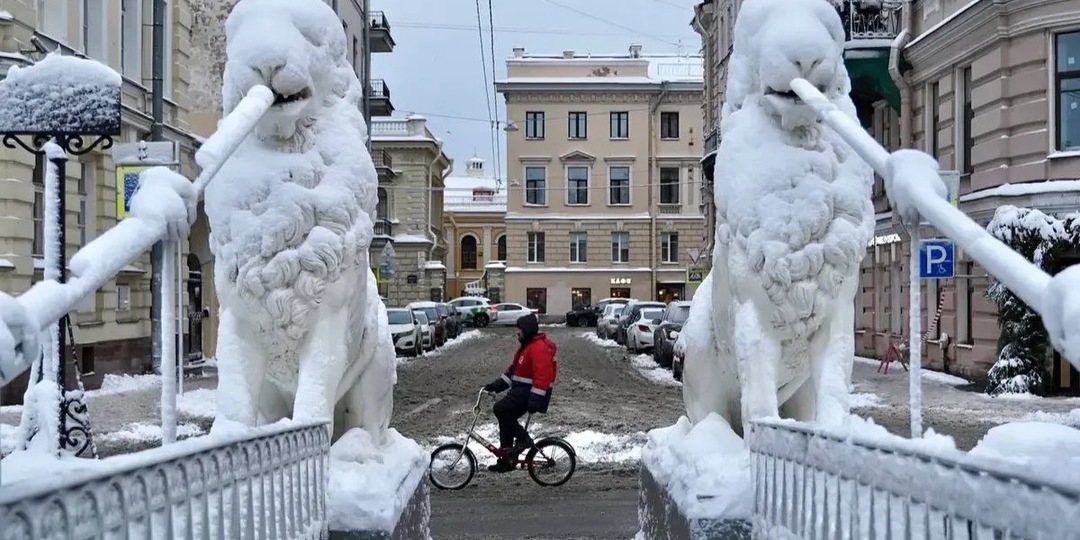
(712, 141)
(379, 98)
(670, 209)
(384, 165)
(379, 33)
(384, 228)
(863, 22)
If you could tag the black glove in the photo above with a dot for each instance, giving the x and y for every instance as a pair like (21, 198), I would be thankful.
(536, 403)
(496, 386)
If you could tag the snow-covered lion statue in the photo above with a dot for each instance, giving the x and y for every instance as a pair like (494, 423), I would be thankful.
(771, 330)
(301, 323)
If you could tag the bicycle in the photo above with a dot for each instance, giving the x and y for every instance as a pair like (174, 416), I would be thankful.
(546, 448)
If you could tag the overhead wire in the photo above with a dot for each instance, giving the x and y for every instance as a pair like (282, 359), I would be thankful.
(487, 83)
(546, 118)
(491, 90)
(612, 23)
(505, 29)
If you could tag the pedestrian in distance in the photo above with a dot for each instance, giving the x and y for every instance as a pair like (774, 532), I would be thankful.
(529, 380)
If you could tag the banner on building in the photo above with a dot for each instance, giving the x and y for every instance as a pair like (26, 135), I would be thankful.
(127, 179)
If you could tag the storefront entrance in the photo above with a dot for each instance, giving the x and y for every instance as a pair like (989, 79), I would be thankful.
(620, 292)
(580, 298)
(670, 292)
(536, 299)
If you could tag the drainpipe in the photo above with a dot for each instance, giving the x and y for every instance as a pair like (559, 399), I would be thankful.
(896, 51)
(656, 102)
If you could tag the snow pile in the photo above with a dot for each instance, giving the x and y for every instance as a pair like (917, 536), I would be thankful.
(1047, 450)
(371, 485)
(123, 384)
(865, 401)
(61, 94)
(198, 403)
(141, 432)
(704, 467)
(462, 338)
(926, 374)
(648, 368)
(1071, 418)
(8, 440)
(597, 340)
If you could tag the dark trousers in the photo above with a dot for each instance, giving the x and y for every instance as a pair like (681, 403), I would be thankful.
(508, 410)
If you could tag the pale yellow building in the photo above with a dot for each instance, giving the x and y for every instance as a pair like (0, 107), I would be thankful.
(412, 166)
(604, 180)
(474, 213)
(112, 327)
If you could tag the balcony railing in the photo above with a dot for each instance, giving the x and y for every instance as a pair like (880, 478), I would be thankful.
(378, 21)
(383, 227)
(382, 159)
(379, 90)
(712, 141)
(670, 208)
(863, 22)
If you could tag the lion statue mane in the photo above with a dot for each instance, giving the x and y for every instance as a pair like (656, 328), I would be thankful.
(301, 322)
(771, 330)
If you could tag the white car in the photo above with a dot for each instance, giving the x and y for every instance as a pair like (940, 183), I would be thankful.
(474, 310)
(508, 313)
(639, 335)
(405, 331)
(427, 329)
(608, 321)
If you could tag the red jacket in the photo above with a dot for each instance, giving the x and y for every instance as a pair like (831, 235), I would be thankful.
(534, 364)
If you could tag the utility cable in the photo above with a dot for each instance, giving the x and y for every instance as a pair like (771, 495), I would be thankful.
(612, 23)
(491, 90)
(487, 83)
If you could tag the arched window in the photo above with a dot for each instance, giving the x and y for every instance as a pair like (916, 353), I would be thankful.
(382, 209)
(500, 250)
(468, 252)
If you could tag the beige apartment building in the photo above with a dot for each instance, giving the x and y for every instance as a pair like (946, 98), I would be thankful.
(412, 167)
(990, 89)
(604, 184)
(111, 328)
(474, 213)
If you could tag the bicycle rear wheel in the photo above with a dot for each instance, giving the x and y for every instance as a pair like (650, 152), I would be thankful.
(551, 462)
(452, 466)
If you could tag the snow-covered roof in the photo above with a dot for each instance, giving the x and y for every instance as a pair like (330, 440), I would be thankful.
(465, 194)
(658, 68)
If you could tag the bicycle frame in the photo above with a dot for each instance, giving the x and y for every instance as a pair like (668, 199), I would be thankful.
(471, 434)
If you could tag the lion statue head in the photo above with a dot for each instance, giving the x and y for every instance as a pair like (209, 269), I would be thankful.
(777, 41)
(298, 50)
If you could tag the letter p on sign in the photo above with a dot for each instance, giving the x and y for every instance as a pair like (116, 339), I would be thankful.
(936, 259)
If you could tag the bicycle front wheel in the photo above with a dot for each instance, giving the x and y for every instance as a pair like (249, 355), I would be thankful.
(452, 466)
(551, 462)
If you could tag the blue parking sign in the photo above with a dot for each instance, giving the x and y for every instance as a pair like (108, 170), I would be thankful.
(937, 259)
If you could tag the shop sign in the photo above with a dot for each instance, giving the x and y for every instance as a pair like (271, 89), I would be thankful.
(620, 281)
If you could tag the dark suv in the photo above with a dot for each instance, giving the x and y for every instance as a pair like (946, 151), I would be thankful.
(629, 315)
(663, 340)
(588, 315)
(450, 319)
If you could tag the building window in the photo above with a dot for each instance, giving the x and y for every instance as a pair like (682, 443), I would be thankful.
(500, 248)
(536, 299)
(86, 179)
(669, 125)
(618, 185)
(536, 247)
(356, 54)
(620, 125)
(620, 247)
(669, 247)
(382, 207)
(1068, 79)
(965, 304)
(968, 142)
(896, 293)
(619, 292)
(669, 185)
(93, 30)
(932, 112)
(52, 19)
(123, 297)
(579, 247)
(536, 186)
(577, 185)
(580, 297)
(468, 252)
(534, 125)
(131, 39)
(577, 125)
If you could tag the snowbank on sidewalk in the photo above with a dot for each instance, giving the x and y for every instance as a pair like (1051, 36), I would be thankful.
(198, 403)
(370, 486)
(648, 368)
(597, 340)
(143, 431)
(122, 384)
(704, 467)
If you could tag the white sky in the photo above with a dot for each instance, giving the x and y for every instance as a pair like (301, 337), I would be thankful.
(436, 69)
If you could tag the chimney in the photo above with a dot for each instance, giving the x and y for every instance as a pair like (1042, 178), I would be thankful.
(519, 52)
(568, 54)
(635, 50)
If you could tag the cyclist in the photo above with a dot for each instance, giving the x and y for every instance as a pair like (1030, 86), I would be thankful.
(529, 379)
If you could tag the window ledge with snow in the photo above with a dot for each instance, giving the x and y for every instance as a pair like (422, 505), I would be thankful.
(1063, 154)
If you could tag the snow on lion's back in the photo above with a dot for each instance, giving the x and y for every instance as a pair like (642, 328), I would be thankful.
(289, 216)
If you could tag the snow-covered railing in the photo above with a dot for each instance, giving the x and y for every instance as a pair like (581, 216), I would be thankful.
(268, 486)
(814, 484)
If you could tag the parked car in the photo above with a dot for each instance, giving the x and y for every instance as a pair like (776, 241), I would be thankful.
(629, 314)
(668, 328)
(427, 329)
(455, 318)
(475, 310)
(590, 315)
(609, 321)
(508, 313)
(450, 320)
(405, 331)
(431, 310)
(639, 334)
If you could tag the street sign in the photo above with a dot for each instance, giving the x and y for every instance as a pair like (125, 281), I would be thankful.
(937, 259)
(127, 179)
(952, 182)
(146, 153)
(695, 255)
(696, 274)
